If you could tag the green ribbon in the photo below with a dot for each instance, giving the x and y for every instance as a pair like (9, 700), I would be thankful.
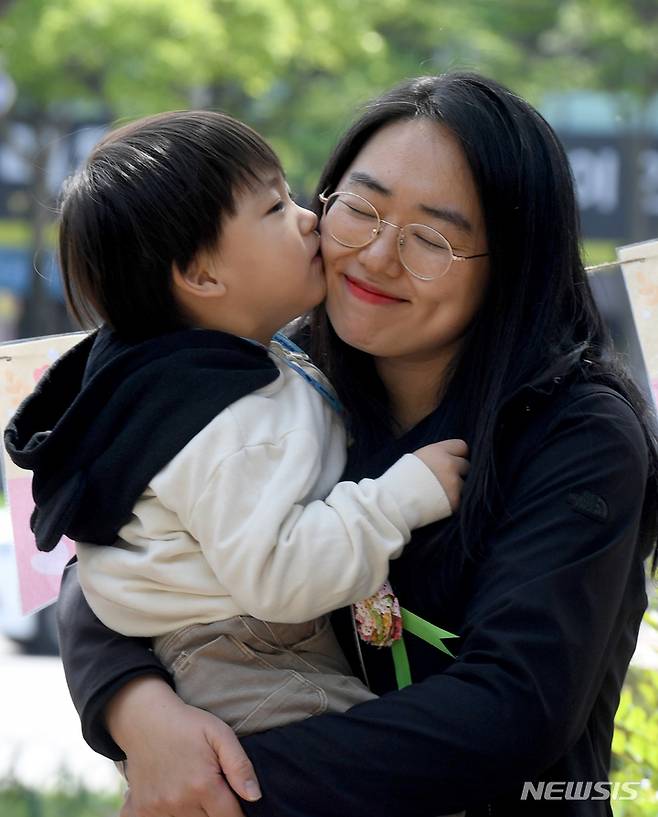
(422, 629)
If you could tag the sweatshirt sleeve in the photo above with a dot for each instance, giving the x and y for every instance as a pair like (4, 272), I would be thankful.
(281, 559)
(544, 614)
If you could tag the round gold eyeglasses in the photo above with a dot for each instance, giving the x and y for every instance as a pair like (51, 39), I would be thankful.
(354, 222)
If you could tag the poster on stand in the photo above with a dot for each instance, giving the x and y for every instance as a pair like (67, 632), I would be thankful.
(639, 263)
(22, 363)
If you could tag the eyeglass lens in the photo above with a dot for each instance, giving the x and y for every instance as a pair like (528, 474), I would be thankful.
(354, 222)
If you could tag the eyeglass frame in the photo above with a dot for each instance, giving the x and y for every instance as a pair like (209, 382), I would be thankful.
(324, 198)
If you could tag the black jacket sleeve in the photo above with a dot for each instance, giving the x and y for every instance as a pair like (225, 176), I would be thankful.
(547, 601)
(547, 604)
(97, 662)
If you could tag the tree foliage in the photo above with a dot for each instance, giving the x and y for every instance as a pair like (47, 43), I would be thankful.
(297, 69)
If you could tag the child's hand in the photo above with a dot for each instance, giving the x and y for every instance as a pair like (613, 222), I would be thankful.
(448, 462)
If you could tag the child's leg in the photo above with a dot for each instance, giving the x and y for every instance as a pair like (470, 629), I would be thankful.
(255, 675)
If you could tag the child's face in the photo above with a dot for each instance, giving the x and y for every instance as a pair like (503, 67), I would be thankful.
(268, 257)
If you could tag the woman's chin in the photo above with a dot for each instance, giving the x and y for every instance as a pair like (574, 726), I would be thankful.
(358, 324)
(355, 335)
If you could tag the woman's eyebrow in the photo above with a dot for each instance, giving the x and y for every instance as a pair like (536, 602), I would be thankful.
(451, 216)
(447, 214)
(358, 177)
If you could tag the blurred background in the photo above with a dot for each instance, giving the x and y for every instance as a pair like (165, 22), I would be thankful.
(297, 70)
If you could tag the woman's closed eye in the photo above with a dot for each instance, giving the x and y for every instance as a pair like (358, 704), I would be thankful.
(355, 211)
(432, 244)
(427, 239)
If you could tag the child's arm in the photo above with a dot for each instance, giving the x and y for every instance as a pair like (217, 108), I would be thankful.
(282, 560)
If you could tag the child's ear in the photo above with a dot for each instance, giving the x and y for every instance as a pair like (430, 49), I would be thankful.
(200, 278)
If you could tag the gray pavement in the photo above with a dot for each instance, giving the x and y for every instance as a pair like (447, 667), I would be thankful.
(40, 738)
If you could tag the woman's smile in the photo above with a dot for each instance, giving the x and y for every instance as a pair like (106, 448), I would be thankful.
(369, 293)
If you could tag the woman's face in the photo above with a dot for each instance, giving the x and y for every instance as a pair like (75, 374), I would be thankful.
(412, 172)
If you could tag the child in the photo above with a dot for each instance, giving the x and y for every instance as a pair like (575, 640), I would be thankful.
(193, 460)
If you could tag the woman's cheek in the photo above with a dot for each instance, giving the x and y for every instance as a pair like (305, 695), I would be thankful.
(328, 247)
(336, 302)
(338, 312)
(335, 311)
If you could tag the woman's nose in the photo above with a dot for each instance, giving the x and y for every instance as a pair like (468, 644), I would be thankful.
(382, 256)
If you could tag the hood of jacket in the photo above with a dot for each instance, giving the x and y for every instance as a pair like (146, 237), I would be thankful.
(108, 415)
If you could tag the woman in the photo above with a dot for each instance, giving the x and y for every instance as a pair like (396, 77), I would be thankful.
(491, 336)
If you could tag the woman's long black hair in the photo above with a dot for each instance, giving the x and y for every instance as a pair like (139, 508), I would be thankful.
(539, 310)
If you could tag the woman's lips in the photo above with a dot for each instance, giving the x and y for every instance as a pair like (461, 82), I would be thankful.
(372, 296)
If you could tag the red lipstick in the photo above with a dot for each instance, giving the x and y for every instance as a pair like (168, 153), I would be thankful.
(369, 294)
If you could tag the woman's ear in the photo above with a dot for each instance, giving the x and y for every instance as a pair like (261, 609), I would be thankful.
(200, 279)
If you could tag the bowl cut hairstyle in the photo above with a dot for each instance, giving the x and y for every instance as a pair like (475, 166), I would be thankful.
(151, 195)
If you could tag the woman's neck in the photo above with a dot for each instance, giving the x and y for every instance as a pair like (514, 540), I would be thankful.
(413, 387)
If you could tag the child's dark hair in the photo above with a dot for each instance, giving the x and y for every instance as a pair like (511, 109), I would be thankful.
(151, 194)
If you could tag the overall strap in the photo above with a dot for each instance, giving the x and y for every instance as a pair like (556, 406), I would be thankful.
(293, 357)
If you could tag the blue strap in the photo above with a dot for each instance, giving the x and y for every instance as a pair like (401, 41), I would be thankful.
(321, 388)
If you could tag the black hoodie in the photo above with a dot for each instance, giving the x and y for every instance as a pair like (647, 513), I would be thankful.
(109, 415)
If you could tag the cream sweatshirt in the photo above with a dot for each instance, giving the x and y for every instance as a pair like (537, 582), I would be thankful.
(247, 519)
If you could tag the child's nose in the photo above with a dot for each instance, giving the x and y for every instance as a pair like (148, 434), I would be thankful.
(308, 220)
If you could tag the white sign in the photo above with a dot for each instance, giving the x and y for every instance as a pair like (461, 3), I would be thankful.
(639, 263)
(22, 364)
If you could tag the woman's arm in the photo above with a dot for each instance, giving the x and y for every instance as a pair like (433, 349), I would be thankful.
(545, 608)
(97, 662)
(548, 604)
(113, 680)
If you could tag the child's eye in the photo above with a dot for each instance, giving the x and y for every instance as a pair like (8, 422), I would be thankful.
(277, 207)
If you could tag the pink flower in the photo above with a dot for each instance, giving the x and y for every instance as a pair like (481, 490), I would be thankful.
(378, 618)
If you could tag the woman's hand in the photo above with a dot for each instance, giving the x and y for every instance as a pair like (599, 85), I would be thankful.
(182, 761)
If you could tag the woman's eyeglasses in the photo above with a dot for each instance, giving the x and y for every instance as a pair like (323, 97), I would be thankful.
(354, 222)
